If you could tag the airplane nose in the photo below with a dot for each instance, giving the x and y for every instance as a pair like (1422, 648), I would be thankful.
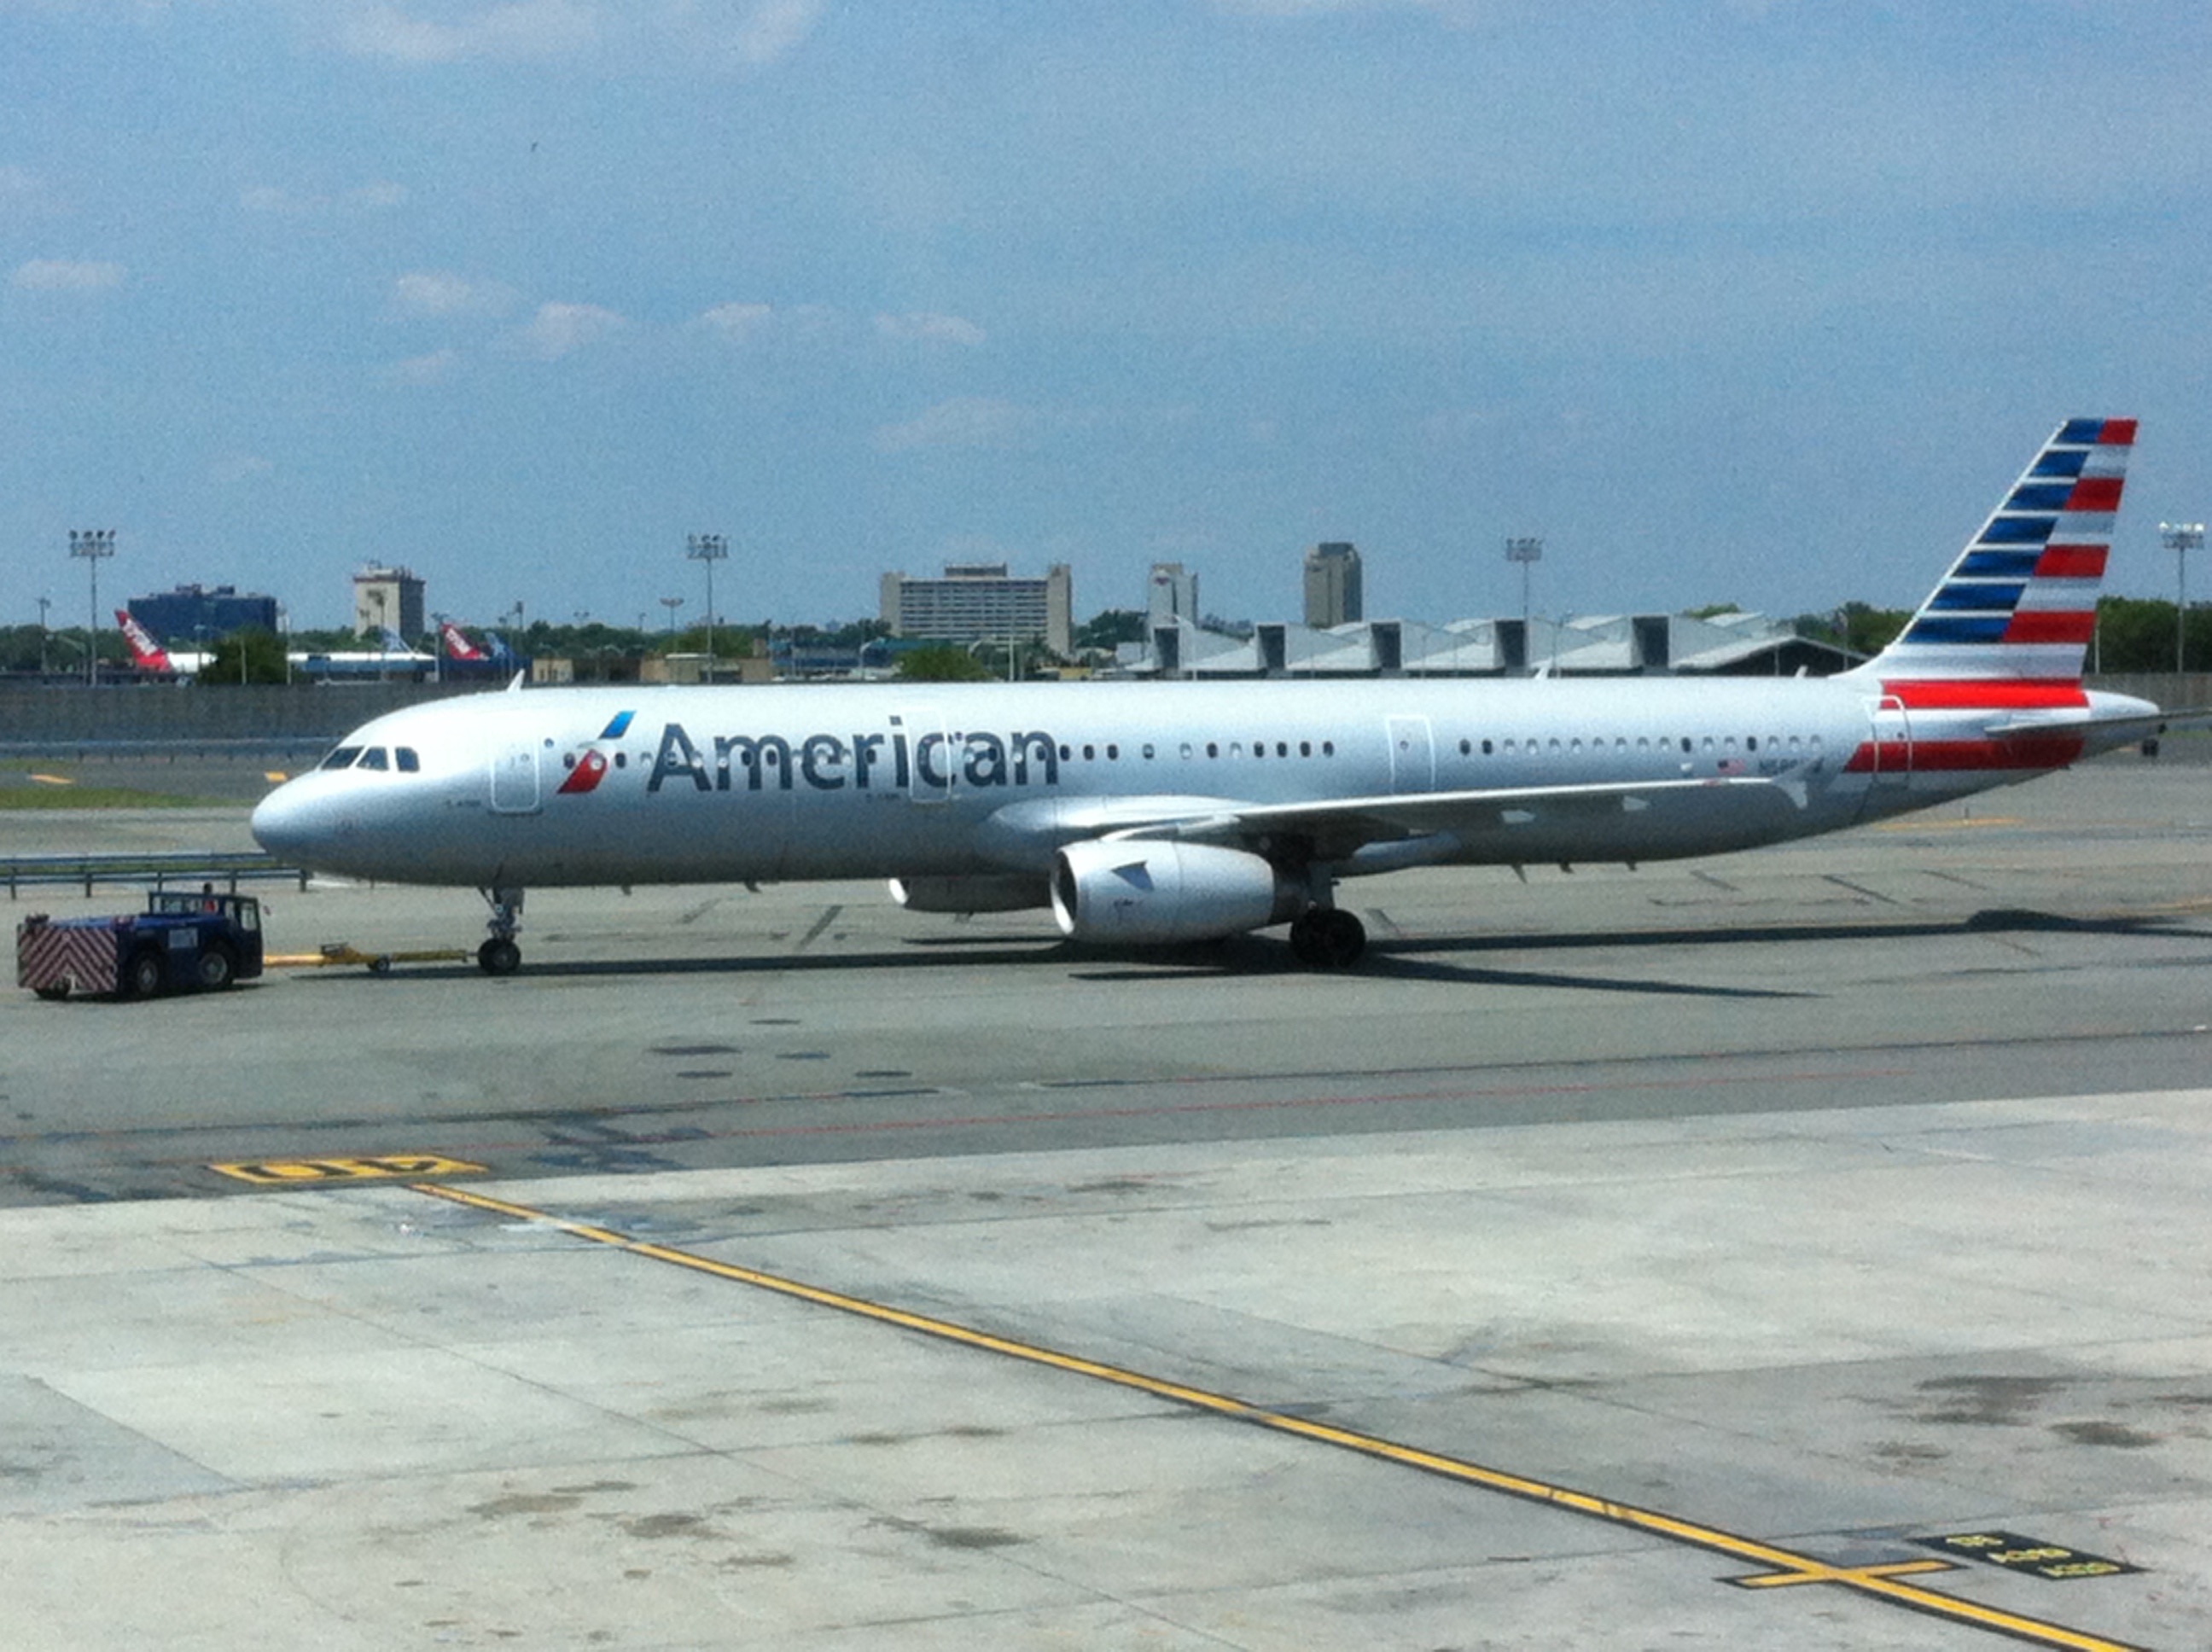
(286, 823)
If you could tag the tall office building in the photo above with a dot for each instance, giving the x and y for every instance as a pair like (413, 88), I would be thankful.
(1170, 594)
(981, 602)
(1333, 596)
(388, 596)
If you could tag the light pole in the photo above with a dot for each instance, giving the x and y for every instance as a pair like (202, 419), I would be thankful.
(2181, 538)
(710, 549)
(672, 604)
(92, 544)
(45, 602)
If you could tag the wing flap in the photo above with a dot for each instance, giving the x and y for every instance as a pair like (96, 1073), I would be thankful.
(1530, 822)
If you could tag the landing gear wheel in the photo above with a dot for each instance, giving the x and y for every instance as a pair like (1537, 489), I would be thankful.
(54, 993)
(498, 957)
(216, 969)
(1328, 938)
(142, 975)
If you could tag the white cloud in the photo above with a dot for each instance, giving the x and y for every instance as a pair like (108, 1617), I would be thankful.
(751, 322)
(559, 330)
(921, 326)
(740, 323)
(775, 29)
(435, 368)
(441, 292)
(964, 422)
(67, 275)
(523, 29)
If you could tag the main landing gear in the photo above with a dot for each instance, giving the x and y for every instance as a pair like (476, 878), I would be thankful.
(1328, 938)
(500, 955)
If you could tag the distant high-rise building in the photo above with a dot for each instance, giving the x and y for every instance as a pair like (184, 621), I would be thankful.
(1170, 594)
(388, 596)
(981, 602)
(1332, 595)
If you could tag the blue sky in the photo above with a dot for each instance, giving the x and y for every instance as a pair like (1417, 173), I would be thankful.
(1734, 301)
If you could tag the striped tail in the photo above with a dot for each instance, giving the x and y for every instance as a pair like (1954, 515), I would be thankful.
(2019, 604)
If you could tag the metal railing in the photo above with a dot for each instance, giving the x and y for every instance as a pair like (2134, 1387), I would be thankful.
(226, 867)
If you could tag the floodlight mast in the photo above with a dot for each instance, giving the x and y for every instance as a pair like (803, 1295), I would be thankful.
(2181, 538)
(710, 549)
(92, 544)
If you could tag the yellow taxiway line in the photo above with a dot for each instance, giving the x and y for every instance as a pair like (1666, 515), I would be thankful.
(1780, 1566)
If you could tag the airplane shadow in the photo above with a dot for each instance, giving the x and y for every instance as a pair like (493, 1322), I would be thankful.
(1397, 958)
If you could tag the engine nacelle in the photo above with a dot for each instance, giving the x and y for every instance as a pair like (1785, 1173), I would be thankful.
(1137, 892)
(986, 892)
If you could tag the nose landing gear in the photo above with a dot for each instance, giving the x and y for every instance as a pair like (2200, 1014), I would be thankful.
(499, 954)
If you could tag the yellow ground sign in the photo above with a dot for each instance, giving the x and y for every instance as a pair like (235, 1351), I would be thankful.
(311, 1172)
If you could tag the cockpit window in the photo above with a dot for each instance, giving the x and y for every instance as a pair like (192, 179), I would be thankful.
(408, 761)
(375, 757)
(342, 757)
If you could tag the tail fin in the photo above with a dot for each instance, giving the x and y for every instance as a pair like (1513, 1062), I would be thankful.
(2020, 602)
(146, 655)
(457, 646)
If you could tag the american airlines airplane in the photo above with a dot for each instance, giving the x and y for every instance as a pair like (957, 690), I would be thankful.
(1151, 813)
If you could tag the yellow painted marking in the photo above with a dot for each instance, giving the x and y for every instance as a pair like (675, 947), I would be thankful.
(1770, 1579)
(300, 1172)
(53, 780)
(1786, 1564)
(275, 776)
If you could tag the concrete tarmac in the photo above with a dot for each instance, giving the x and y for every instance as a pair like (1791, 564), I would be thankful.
(1673, 1258)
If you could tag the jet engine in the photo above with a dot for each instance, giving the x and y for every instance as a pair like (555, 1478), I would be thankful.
(984, 892)
(1140, 892)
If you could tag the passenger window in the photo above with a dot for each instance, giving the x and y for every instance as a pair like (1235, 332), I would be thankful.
(621, 759)
(1328, 748)
(1685, 745)
(1485, 749)
(1213, 749)
(1751, 742)
(1148, 752)
(409, 763)
(342, 757)
(1089, 755)
(1282, 747)
(1113, 753)
(375, 757)
(1305, 748)
(1466, 749)
(1186, 750)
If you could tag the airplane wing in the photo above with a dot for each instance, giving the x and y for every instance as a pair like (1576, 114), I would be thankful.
(1337, 827)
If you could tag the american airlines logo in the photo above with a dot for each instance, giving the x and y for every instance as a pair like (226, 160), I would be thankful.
(895, 759)
(592, 767)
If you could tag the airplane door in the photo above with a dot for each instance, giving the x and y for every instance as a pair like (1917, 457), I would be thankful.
(1893, 744)
(514, 779)
(932, 759)
(1413, 754)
